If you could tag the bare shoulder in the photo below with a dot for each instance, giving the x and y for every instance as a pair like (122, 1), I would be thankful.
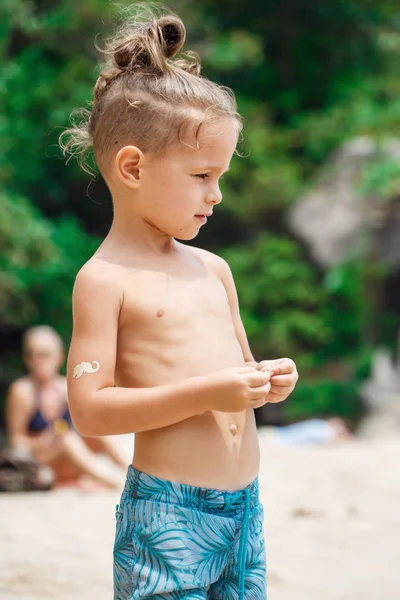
(211, 261)
(20, 391)
(99, 278)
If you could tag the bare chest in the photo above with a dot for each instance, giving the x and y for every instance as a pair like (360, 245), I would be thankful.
(159, 302)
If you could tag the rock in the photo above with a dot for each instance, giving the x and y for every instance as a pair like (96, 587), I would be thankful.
(381, 396)
(333, 218)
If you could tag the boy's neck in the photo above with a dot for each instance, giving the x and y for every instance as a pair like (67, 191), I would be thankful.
(133, 232)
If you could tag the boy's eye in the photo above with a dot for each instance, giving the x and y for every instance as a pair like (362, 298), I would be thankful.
(202, 175)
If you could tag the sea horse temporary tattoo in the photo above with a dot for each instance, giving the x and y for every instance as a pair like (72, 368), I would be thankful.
(85, 367)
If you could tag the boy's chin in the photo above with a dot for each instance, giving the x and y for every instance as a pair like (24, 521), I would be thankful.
(186, 235)
(185, 238)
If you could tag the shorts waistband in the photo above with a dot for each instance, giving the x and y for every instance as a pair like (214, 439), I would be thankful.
(143, 486)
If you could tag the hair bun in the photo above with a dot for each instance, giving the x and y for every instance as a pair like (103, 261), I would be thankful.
(173, 35)
(150, 45)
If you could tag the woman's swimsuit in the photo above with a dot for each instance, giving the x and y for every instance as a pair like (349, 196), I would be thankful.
(39, 423)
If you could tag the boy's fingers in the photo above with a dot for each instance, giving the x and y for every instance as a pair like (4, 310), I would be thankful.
(259, 393)
(246, 369)
(282, 380)
(258, 378)
(266, 364)
(281, 391)
(269, 370)
(258, 403)
(282, 366)
(274, 398)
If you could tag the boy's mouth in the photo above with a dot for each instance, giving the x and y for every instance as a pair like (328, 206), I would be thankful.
(203, 218)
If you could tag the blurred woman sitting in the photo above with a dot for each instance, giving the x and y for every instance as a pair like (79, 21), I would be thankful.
(38, 420)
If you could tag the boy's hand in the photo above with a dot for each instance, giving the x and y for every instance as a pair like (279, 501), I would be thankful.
(284, 377)
(236, 388)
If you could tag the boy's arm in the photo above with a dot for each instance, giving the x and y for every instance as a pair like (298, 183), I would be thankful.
(229, 284)
(97, 407)
(284, 372)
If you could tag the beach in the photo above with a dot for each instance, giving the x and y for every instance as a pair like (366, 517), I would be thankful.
(332, 528)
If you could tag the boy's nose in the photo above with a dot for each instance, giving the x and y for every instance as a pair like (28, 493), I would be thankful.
(214, 197)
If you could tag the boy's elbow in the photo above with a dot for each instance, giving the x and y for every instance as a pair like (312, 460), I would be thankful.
(83, 418)
(86, 426)
(82, 427)
(80, 423)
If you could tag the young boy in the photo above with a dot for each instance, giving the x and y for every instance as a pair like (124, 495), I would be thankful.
(158, 346)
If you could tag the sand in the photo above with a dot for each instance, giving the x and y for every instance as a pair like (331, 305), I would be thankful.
(332, 525)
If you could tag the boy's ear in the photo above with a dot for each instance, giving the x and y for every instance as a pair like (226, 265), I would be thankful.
(128, 163)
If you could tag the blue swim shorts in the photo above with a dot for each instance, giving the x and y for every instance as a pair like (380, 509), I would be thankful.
(180, 542)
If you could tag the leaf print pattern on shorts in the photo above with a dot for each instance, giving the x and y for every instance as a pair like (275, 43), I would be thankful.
(175, 541)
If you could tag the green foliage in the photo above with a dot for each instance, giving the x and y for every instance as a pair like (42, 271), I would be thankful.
(382, 179)
(325, 398)
(281, 300)
(307, 75)
(265, 180)
(38, 264)
(235, 49)
(52, 294)
(353, 307)
(25, 247)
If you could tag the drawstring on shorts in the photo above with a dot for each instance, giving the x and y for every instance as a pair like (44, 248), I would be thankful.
(243, 544)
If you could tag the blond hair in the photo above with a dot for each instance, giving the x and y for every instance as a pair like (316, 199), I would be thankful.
(145, 96)
(45, 331)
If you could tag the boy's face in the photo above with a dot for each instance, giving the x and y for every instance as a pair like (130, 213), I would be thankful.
(179, 190)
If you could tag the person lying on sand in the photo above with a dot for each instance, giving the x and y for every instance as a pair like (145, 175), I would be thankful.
(312, 431)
